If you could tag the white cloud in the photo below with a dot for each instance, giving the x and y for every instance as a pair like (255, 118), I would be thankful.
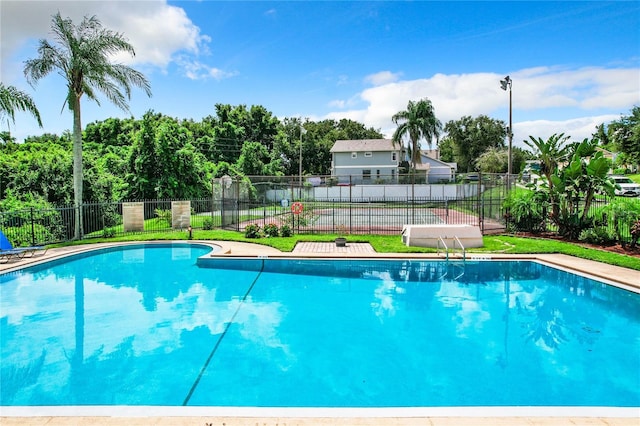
(382, 77)
(584, 88)
(577, 128)
(574, 100)
(195, 70)
(24, 22)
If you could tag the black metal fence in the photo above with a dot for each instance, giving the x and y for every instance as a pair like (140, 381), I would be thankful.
(320, 207)
(366, 216)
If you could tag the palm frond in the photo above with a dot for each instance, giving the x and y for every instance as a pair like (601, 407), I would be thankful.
(12, 99)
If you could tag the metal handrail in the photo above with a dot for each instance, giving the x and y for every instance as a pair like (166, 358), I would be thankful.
(446, 249)
(462, 249)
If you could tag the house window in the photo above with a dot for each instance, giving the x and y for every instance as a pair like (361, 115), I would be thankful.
(367, 154)
(394, 156)
(393, 173)
(366, 174)
(354, 155)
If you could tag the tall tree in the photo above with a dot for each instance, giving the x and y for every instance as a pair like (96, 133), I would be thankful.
(625, 133)
(12, 99)
(143, 165)
(83, 56)
(493, 160)
(417, 122)
(471, 136)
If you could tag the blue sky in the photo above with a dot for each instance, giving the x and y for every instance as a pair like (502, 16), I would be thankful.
(574, 64)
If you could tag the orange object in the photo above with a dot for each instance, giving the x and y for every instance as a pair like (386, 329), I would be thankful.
(296, 208)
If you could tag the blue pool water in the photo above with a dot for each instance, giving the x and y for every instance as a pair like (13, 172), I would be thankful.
(152, 325)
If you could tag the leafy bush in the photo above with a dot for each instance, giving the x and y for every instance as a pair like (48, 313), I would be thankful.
(108, 233)
(30, 219)
(110, 215)
(526, 210)
(597, 235)
(207, 224)
(28, 235)
(271, 230)
(285, 230)
(635, 233)
(163, 215)
(252, 231)
(622, 214)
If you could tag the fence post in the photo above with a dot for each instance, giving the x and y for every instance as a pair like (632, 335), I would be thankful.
(33, 228)
(333, 216)
(479, 201)
(350, 201)
(446, 210)
(413, 196)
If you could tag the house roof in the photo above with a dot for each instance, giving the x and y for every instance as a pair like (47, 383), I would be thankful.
(434, 162)
(358, 145)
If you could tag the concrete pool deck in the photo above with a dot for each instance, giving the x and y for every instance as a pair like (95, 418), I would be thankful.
(622, 277)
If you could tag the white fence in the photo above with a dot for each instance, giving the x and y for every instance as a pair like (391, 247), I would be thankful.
(376, 192)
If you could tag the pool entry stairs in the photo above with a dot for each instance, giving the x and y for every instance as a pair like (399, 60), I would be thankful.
(442, 244)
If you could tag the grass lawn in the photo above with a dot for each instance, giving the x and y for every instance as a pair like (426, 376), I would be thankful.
(393, 244)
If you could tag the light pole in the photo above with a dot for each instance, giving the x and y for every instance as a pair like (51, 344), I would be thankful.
(506, 84)
(302, 132)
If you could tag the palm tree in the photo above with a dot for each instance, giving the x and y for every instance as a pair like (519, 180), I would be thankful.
(418, 121)
(12, 99)
(83, 57)
(551, 152)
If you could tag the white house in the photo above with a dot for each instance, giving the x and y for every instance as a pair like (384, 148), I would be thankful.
(365, 160)
(437, 171)
(377, 160)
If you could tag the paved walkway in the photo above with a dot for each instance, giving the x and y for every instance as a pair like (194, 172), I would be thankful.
(623, 277)
(316, 247)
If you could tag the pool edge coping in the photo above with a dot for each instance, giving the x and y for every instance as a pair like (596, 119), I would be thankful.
(610, 274)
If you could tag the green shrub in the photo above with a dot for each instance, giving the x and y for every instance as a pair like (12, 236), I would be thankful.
(163, 215)
(110, 215)
(622, 214)
(108, 233)
(597, 235)
(252, 231)
(635, 233)
(271, 230)
(27, 235)
(207, 224)
(526, 210)
(285, 230)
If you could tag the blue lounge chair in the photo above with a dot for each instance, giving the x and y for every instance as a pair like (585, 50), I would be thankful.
(8, 252)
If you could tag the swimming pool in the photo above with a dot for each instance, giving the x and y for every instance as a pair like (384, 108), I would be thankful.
(156, 325)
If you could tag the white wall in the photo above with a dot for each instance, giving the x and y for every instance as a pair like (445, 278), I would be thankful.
(355, 192)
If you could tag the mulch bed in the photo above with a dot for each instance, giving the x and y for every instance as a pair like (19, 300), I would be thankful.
(614, 248)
